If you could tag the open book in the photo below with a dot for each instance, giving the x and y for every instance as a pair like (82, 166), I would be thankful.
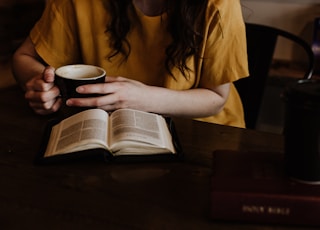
(125, 132)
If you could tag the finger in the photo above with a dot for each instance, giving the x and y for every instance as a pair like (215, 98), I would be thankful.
(41, 106)
(46, 108)
(101, 88)
(38, 84)
(43, 111)
(108, 108)
(41, 85)
(48, 74)
(56, 106)
(42, 96)
(109, 99)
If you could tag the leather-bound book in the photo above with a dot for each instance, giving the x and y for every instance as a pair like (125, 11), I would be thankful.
(253, 187)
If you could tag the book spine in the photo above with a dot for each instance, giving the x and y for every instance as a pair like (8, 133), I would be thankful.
(261, 208)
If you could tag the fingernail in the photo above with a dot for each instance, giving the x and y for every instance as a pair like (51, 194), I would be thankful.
(80, 89)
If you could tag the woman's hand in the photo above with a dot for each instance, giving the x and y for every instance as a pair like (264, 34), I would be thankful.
(36, 79)
(118, 92)
(42, 94)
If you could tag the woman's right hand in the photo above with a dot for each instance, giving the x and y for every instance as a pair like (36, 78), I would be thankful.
(42, 94)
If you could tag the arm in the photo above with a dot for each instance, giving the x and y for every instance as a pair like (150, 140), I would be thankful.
(192, 103)
(121, 92)
(36, 79)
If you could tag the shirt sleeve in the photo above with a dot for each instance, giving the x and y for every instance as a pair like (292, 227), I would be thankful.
(225, 51)
(55, 34)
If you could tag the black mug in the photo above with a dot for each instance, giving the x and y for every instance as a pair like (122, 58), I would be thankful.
(69, 77)
(302, 131)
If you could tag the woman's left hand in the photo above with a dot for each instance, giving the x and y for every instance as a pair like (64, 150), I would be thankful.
(116, 93)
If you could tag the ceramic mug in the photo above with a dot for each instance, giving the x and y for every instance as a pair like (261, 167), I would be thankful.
(302, 131)
(69, 77)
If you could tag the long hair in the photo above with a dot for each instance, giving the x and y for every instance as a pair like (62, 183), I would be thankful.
(185, 25)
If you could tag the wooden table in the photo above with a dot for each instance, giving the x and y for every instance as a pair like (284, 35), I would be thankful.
(96, 195)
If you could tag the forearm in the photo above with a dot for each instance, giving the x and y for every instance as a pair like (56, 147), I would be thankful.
(26, 63)
(188, 103)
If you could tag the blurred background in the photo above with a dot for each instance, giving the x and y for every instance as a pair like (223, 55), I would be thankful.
(16, 19)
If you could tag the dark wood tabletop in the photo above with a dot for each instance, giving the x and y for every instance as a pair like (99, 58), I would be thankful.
(96, 195)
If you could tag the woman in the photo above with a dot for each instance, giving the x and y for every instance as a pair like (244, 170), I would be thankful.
(175, 58)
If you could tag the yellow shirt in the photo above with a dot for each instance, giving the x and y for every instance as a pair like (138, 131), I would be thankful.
(71, 32)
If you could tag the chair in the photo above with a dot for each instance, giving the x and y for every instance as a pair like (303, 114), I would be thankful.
(261, 44)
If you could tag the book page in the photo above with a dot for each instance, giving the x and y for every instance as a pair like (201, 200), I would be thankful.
(137, 129)
(85, 130)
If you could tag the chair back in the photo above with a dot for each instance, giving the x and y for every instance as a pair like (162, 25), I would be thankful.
(261, 44)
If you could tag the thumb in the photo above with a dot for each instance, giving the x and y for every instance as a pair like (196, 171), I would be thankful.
(48, 74)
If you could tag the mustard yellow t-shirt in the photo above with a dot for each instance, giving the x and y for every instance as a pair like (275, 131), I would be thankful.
(71, 32)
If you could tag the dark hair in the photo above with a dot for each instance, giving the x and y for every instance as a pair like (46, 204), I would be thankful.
(185, 26)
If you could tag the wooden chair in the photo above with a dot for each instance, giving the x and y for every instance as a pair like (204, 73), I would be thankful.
(261, 44)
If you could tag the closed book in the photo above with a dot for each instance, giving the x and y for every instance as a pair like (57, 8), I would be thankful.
(253, 187)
